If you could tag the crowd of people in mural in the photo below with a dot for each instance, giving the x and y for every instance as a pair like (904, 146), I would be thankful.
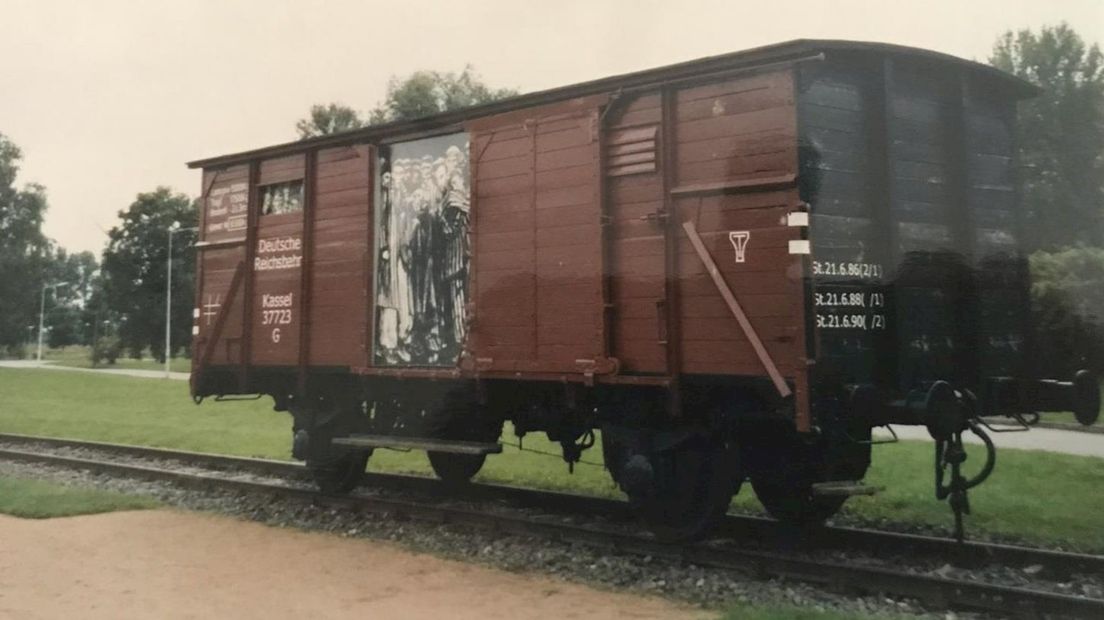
(422, 252)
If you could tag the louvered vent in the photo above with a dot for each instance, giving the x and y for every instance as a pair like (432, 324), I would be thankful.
(631, 151)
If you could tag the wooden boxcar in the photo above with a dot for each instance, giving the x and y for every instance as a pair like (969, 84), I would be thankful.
(732, 267)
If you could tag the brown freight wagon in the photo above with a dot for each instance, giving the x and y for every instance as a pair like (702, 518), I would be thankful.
(734, 267)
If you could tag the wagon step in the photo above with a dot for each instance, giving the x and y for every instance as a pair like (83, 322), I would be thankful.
(418, 443)
(839, 488)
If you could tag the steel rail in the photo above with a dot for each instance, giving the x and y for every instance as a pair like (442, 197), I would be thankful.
(932, 590)
(764, 532)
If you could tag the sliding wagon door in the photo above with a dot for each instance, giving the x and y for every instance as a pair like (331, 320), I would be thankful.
(538, 265)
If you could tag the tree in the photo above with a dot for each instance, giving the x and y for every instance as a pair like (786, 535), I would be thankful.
(24, 251)
(66, 304)
(1061, 133)
(97, 319)
(424, 93)
(64, 325)
(328, 119)
(1067, 295)
(133, 271)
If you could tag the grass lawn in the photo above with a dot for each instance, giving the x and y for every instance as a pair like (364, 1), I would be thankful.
(1034, 496)
(1066, 418)
(78, 357)
(36, 499)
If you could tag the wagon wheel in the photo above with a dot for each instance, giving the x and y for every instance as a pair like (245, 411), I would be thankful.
(690, 489)
(456, 468)
(338, 474)
(459, 418)
(793, 501)
(613, 455)
(336, 470)
(784, 480)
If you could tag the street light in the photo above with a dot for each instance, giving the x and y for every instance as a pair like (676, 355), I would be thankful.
(42, 312)
(173, 229)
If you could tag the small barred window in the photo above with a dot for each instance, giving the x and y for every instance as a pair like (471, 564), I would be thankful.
(282, 198)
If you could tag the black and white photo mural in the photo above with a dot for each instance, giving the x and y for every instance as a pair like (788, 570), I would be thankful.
(422, 251)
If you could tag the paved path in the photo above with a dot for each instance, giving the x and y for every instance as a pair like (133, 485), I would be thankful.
(126, 372)
(1069, 442)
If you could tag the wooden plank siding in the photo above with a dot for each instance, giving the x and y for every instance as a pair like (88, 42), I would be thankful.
(340, 331)
(729, 133)
(274, 332)
(222, 222)
(537, 258)
(337, 329)
(569, 238)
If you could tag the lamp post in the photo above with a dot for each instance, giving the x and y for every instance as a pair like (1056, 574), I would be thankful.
(42, 313)
(173, 229)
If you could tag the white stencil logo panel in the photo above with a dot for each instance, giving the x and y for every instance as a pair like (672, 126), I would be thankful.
(739, 239)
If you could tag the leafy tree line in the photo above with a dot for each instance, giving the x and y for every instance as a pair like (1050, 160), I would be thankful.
(1061, 141)
(422, 93)
(134, 272)
(28, 260)
(120, 301)
(1061, 133)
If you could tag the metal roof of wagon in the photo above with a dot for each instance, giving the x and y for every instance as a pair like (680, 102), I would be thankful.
(750, 59)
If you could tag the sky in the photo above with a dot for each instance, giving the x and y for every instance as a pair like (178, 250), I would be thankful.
(108, 98)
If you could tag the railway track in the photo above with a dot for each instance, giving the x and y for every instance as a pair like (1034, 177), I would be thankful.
(730, 552)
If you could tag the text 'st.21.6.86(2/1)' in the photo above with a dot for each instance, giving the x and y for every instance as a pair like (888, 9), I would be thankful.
(848, 308)
(847, 269)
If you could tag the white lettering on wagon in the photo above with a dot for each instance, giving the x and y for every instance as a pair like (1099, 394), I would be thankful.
(226, 208)
(276, 301)
(279, 244)
(277, 262)
(277, 310)
(286, 253)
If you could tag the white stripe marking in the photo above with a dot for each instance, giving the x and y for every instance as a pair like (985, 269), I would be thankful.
(797, 218)
(800, 246)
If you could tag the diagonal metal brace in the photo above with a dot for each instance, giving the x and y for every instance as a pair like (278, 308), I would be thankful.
(737, 311)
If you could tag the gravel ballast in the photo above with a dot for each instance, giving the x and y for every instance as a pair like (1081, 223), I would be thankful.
(708, 587)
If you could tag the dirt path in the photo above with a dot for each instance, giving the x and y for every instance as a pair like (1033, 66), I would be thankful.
(169, 564)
